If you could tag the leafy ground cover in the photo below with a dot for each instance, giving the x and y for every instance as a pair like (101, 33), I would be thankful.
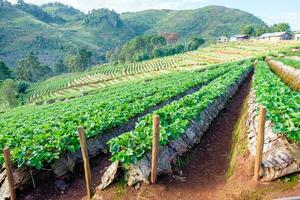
(99, 73)
(174, 118)
(39, 134)
(59, 87)
(281, 102)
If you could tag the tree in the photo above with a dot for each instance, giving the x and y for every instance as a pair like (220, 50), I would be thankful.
(85, 58)
(5, 73)
(261, 30)
(248, 30)
(158, 41)
(158, 52)
(280, 27)
(195, 43)
(72, 63)
(30, 69)
(59, 67)
(80, 62)
(179, 48)
(9, 93)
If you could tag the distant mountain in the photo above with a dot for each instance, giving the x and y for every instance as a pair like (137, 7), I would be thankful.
(209, 22)
(23, 30)
(60, 10)
(54, 30)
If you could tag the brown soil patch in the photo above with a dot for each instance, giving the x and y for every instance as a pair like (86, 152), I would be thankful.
(46, 190)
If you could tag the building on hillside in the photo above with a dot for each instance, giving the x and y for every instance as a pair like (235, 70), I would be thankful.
(277, 36)
(297, 35)
(222, 39)
(239, 37)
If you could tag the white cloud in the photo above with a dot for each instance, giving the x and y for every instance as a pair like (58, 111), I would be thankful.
(293, 18)
(125, 5)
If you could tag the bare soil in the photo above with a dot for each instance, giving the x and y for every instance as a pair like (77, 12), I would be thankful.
(76, 190)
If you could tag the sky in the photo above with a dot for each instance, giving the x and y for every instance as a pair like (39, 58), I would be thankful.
(270, 11)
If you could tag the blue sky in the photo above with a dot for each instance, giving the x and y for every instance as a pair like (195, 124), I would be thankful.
(271, 11)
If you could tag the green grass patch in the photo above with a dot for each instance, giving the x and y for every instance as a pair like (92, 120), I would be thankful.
(239, 139)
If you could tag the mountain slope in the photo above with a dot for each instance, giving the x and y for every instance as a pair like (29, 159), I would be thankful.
(209, 22)
(22, 32)
(54, 30)
(60, 10)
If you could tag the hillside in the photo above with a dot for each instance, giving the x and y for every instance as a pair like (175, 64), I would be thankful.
(63, 11)
(209, 22)
(55, 30)
(22, 32)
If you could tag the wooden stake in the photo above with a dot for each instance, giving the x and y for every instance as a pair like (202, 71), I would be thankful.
(85, 156)
(9, 173)
(260, 142)
(155, 144)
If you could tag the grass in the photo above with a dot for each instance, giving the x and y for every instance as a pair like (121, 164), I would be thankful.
(239, 138)
(289, 181)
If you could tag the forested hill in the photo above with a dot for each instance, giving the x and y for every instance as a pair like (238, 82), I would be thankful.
(209, 22)
(53, 31)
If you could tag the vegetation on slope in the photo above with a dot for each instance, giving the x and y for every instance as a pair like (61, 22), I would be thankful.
(208, 22)
(54, 30)
(151, 46)
(63, 11)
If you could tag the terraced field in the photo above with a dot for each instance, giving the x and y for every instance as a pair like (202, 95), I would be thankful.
(75, 85)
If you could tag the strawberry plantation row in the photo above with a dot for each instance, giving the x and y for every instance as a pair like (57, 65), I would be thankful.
(39, 134)
(289, 62)
(281, 102)
(175, 118)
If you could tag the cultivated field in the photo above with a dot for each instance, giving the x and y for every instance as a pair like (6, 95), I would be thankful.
(115, 106)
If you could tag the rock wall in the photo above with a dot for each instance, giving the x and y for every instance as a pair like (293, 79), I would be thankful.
(280, 157)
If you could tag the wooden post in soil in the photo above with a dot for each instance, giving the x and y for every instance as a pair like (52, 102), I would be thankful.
(260, 142)
(155, 144)
(9, 173)
(85, 156)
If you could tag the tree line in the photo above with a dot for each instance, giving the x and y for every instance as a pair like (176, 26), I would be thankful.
(14, 81)
(150, 46)
(252, 30)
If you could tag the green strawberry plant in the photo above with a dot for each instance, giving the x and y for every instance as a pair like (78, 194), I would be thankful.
(282, 103)
(174, 118)
(40, 134)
